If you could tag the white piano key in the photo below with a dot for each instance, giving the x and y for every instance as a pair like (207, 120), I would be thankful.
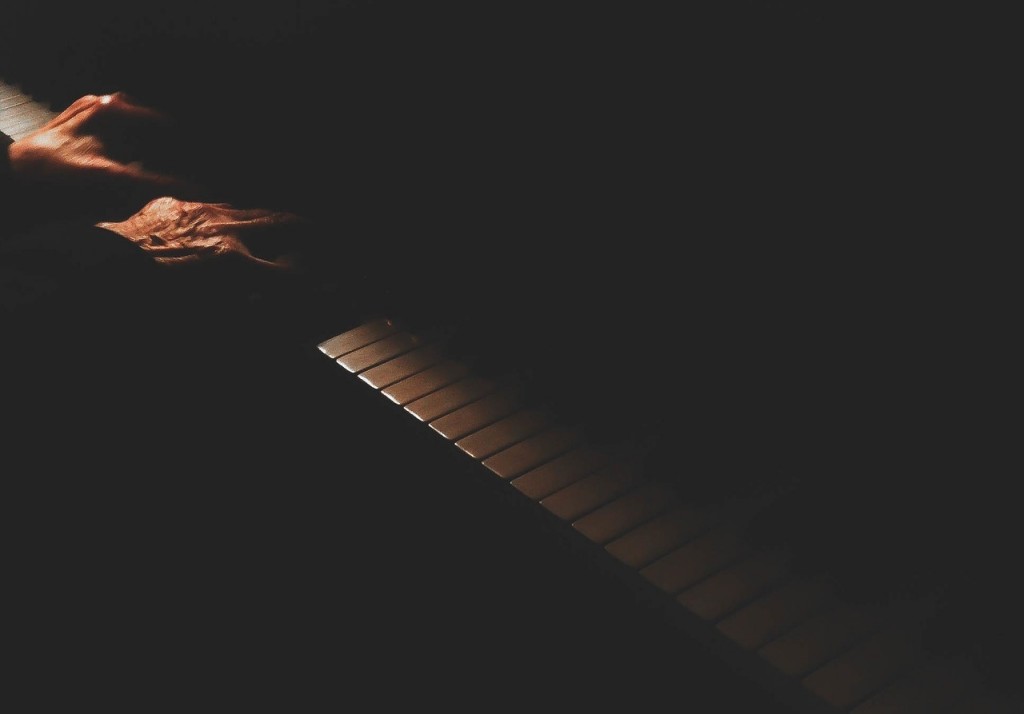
(378, 352)
(593, 490)
(449, 398)
(653, 539)
(478, 414)
(629, 511)
(504, 433)
(726, 591)
(533, 451)
(357, 337)
(776, 612)
(560, 471)
(423, 383)
(863, 670)
(399, 368)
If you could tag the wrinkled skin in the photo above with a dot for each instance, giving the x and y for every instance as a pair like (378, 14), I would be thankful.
(87, 150)
(181, 233)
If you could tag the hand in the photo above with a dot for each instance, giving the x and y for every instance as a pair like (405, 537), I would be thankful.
(182, 233)
(83, 148)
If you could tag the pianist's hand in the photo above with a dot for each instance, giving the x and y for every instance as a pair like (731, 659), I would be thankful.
(90, 146)
(183, 233)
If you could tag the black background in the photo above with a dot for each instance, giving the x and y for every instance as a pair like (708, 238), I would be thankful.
(775, 206)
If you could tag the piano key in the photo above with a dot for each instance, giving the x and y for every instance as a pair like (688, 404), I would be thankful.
(697, 553)
(476, 415)
(561, 471)
(26, 110)
(926, 690)
(448, 399)
(504, 433)
(12, 97)
(725, 591)
(820, 638)
(533, 451)
(423, 383)
(26, 122)
(627, 512)
(576, 499)
(860, 672)
(653, 539)
(13, 105)
(20, 134)
(380, 351)
(397, 369)
(357, 337)
(698, 559)
(775, 612)
(8, 89)
(12, 100)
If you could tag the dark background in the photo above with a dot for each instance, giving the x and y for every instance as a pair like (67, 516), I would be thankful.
(764, 226)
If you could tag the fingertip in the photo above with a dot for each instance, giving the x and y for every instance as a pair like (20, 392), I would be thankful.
(126, 104)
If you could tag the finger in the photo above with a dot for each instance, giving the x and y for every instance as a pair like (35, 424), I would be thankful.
(199, 248)
(225, 216)
(241, 215)
(280, 265)
(120, 103)
(93, 109)
(105, 168)
(232, 215)
(269, 220)
(193, 259)
(75, 108)
(179, 258)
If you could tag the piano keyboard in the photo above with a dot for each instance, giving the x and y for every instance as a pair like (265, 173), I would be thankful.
(20, 114)
(791, 631)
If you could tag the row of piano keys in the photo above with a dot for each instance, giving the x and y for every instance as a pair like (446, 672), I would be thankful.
(20, 114)
(789, 628)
